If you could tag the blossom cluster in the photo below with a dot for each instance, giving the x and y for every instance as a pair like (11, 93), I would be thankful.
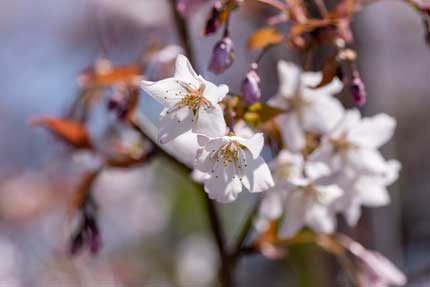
(192, 108)
(329, 162)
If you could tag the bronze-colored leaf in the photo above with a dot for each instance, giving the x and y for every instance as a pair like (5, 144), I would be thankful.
(103, 75)
(329, 70)
(73, 133)
(264, 37)
(259, 113)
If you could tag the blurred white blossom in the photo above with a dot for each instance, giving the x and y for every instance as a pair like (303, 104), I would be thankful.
(307, 109)
(196, 261)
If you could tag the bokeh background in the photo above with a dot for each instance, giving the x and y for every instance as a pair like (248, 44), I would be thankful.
(153, 225)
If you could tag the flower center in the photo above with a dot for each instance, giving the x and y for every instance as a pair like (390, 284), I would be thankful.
(230, 153)
(192, 98)
(342, 144)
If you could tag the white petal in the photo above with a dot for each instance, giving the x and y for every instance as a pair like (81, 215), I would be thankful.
(173, 124)
(291, 131)
(214, 93)
(371, 193)
(271, 206)
(164, 91)
(289, 78)
(254, 144)
(349, 121)
(185, 72)
(199, 176)
(295, 211)
(373, 132)
(327, 194)
(391, 172)
(321, 219)
(367, 161)
(210, 122)
(184, 148)
(311, 79)
(224, 185)
(322, 114)
(352, 212)
(257, 176)
(203, 162)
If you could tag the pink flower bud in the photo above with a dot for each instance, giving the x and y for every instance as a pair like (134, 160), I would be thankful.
(358, 90)
(250, 89)
(222, 56)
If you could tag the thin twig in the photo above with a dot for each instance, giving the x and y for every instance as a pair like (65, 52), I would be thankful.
(322, 8)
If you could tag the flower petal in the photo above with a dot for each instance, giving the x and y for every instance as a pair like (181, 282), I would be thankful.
(173, 124)
(322, 114)
(257, 176)
(223, 185)
(254, 144)
(185, 72)
(164, 91)
(210, 122)
(291, 131)
(215, 93)
(289, 78)
(373, 132)
(295, 211)
(371, 193)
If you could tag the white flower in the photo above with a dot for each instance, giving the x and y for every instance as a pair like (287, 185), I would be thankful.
(308, 110)
(353, 143)
(303, 201)
(365, 190)
(284, 167)
(190, 103)
(232, 162)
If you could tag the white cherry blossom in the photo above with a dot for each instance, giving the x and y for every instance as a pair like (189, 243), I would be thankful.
(190, 103)
(303, 201)
(232, 162)
(307, 109)
(353, 143)
(365, 190)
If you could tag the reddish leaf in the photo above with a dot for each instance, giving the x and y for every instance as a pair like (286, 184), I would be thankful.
(104, 74)
(73, 133)
(329, 70)
(264, 37)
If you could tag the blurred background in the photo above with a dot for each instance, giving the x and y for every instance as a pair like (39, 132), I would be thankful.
(152, 221)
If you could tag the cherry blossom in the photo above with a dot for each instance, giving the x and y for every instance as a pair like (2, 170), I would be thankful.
(365, 190)
(353, 143)
(307, 109)
(303, 201)
(190, 103)
(231, 163)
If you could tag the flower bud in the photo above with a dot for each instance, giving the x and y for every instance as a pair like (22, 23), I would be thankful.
(213, 23)
(222, 56)
(250, 88)
(358, 91)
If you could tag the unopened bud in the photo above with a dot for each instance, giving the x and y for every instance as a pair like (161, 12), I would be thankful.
(250, 89)
(358, 90)
(222, 56)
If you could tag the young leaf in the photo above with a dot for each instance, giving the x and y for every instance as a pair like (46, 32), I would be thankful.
(73, 133)
(329, 69)
(264, 37)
